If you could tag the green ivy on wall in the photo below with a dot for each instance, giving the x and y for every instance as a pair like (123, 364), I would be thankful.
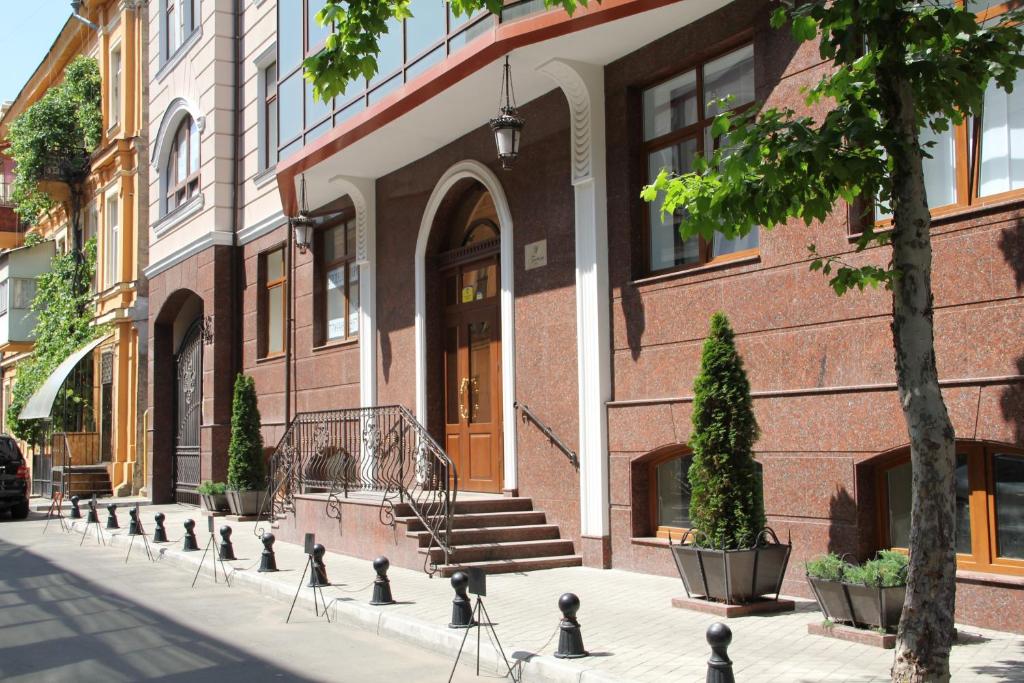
(66, 121)
(65, 325)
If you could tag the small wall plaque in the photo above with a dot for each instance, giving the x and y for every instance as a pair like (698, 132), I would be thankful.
(536, 254)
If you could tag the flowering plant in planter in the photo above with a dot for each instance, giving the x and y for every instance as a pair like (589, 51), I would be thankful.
(728, 556)
(246, 479)
(866, 595)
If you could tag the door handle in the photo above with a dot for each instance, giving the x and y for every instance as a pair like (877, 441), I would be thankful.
(463, 410)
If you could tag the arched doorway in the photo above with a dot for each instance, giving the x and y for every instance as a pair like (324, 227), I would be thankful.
(470, 273)
(188, 363)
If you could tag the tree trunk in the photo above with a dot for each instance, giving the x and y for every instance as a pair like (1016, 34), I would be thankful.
(925, 633)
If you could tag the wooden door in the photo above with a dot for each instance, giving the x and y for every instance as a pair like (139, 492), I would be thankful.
(472, 371)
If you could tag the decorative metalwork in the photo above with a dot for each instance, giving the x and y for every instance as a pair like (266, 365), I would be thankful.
(382, 450)
(206, 329)
(189, 406)
(106, 368)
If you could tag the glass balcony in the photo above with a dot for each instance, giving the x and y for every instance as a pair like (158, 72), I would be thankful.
(19, 272)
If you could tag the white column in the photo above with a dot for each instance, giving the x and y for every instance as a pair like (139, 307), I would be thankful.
(583, 85)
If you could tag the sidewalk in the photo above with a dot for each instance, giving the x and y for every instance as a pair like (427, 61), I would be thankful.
(629, 626)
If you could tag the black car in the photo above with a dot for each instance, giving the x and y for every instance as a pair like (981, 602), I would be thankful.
(13, 479)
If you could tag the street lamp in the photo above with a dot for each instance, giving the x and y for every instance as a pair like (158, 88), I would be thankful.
(508, 125)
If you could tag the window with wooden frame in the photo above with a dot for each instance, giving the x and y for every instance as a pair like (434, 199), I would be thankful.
(111, 237)
(272, 305)
(677, 118)
(182, 171)
(269, 116)
(114, 115)
(989, 506)
(181, 19)
(980, 161)
(337, 288)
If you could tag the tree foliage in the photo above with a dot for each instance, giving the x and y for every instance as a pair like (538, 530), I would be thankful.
(726, 504)
(350, 52)
(778, 165)
(65, 324)
(66, 121)
(245, 452)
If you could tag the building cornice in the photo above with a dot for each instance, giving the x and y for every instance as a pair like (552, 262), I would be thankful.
(211, 239)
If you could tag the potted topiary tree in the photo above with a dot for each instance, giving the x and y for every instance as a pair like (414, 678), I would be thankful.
(246, 481)
(728, 556)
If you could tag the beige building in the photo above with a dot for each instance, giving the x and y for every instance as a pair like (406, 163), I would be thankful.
(114, 33)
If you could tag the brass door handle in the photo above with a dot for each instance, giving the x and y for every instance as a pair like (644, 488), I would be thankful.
(474, 394)
(463, 385)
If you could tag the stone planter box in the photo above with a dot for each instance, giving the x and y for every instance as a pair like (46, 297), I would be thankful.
(864, 606)
(245, 503)
(215, 502)
(733, 576)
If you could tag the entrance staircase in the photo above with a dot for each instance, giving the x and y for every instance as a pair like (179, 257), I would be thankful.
(86, 480)
(496, 534)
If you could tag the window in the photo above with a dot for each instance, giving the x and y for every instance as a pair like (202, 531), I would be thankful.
(272, 305)
(677, 117)
(182, 171)
(980, 161)
(110, 239)
(23, 292)
(338, 283)
(3, 296)
(989, 506)
(115, 86)
(268, 156)
(92, 221)
(181, 19)
(671, 496)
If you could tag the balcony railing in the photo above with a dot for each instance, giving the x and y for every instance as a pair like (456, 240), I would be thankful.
(6, 193)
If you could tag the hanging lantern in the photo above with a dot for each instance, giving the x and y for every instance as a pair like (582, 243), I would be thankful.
(302, 224)
(508, 125)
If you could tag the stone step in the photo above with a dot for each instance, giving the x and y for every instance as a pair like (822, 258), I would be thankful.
(513, 550)
(483, 519)
(459, 537)
(518, 565)
(469, 506)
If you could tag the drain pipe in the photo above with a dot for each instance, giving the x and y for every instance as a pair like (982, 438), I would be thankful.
(237, 288)
(76, 6)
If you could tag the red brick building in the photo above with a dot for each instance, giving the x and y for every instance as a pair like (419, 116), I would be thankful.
(463, 292)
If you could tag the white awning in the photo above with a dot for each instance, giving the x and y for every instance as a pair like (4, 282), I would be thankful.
(41, 403)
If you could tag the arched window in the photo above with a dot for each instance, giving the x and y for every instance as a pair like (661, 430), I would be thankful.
(181, 174)
(989, 505)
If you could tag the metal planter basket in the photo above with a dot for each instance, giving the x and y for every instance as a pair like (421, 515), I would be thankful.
(859, 605)
(245, 503)
(733, 576)
(215, 502)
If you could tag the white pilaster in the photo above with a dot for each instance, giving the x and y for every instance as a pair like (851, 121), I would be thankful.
(583, 86)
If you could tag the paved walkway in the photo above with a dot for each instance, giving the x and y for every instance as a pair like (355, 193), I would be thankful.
(629, 625)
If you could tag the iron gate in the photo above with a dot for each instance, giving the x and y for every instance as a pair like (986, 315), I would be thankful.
(189, 366)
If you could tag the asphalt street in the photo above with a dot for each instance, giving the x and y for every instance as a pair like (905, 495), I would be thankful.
(80, 613)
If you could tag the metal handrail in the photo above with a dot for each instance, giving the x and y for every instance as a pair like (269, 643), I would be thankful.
(527, 413)
(383, 450)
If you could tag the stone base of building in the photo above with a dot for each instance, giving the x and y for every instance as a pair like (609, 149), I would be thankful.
(720, 609)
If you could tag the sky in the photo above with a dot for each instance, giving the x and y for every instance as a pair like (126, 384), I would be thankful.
(27, 30)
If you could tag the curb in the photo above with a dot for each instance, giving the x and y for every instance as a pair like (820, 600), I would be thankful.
(427, 635)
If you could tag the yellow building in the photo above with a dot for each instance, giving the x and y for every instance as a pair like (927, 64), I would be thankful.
(115, 212)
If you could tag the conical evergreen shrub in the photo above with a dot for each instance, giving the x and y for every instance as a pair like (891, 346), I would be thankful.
(245, 453)
(726, 503)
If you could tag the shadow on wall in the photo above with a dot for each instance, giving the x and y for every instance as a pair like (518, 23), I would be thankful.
(1011, 243)
(842, 515)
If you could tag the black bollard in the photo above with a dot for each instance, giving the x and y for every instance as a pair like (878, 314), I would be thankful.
(76, 512)
(93, 517)
(268, 563)
(570, 639)
(160, 534)
(227, 551)
(319, 575)
(719, 665)
(190, 536)
(462, 610)
(133, 525)
(382, 585)
(112, 517)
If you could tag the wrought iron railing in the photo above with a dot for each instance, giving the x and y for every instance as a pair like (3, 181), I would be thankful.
(382, 450)
(546, 430)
